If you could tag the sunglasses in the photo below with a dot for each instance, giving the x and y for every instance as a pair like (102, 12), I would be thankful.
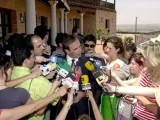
(91, 46)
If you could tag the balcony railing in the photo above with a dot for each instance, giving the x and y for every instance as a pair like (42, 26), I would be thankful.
(96, 3)
(88, 2)
(107, 5)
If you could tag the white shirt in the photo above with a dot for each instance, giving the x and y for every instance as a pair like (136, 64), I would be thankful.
(117, 61)
(69, 60)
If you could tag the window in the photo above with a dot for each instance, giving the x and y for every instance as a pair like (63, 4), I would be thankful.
(76, 23)
(5, 23)
(107, 24)
(44, 21)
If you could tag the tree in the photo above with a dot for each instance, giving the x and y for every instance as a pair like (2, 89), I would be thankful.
(128, 39)
(99, 31)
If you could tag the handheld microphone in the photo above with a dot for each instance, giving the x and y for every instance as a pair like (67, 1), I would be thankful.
(97, 63)
(55, 59)
(72, 81)
(85, 82)
(97, 74)
(46, 69)
(69, 80)
(63, 69)
(76, 83)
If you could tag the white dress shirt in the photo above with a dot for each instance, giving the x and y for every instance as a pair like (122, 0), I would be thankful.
(69, 60)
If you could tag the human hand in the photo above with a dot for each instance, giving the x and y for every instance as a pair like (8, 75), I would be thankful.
(36, 67)
(109, 88)
(40, 59)
(47, 50)
(56, 83)
(157, 95)
(89, 94)
(79, 96)
(70, 97)
(36, 73)
(106, 71)
(62, 90)
(129, 99)
(50, 75)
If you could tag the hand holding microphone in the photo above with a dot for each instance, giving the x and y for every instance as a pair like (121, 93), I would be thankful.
(89, 94)
(85, 82)
(46, 69)
(55, 59)
(63, 69)
(97, 63)
(97, 74)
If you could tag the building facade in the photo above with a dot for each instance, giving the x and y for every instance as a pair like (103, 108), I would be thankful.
(22, 16)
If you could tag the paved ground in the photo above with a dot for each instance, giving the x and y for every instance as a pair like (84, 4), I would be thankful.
(99, 47)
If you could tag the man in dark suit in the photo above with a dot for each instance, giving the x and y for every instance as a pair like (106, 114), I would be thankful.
(89, 44)
(73, 49)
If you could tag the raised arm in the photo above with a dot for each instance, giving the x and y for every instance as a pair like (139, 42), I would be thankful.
(101, 55)
(62, 115)
(96, 111)
(124, 83)
(131, 90)
(25, 110)
(20, 80)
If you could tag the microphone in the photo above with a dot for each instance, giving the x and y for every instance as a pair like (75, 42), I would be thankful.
(97, 74)
(63, 68)
(76, 83)
(46, 69)
(72, 81)
(85, 82)
(97, 63)
(55, 59)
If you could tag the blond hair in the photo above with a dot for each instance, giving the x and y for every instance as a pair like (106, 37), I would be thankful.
(152, 54)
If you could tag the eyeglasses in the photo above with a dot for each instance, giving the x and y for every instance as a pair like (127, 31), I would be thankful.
(91, 46)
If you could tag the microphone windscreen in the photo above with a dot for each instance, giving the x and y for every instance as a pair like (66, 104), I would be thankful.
(63, 64)
(89, 66)
(52, 66)
(84, 79)
(53, 59)
(97, 64)
(98, 76)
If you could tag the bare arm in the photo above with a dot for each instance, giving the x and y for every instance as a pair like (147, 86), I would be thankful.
(55, 85)
(101, 55)
(96, 111)
(124, 83)
(20, 80)
(137, 90)
(131, 90)
(152, 107)
(62, 115)
(27, 109)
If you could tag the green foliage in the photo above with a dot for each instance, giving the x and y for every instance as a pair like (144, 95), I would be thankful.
(100, 31)
(128, 39)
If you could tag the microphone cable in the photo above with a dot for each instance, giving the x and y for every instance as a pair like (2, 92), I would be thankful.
(89, 111)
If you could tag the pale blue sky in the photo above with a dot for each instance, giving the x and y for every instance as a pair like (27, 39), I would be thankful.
(147, 11)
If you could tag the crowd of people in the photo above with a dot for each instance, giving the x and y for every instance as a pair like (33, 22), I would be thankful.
(129, 91)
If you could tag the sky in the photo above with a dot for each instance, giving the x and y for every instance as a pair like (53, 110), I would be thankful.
(147, 11)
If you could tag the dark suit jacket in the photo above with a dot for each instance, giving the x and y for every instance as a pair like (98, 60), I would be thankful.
(81, 107)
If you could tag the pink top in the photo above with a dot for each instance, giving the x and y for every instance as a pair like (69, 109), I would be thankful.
(140, 111)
